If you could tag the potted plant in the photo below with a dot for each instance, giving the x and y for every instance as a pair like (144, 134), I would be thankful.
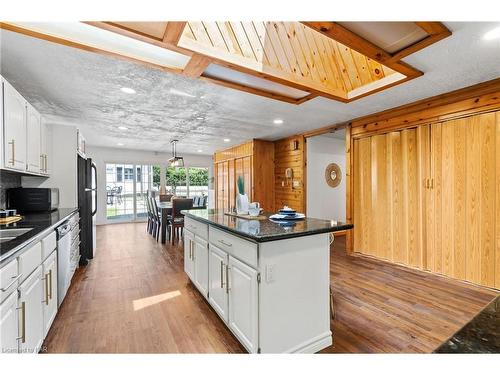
(241, 198)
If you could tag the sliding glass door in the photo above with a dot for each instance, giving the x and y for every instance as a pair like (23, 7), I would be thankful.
(127, 187)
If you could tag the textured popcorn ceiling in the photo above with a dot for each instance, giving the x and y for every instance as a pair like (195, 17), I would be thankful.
(76, 87)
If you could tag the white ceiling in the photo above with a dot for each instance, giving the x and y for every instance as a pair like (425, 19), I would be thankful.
(72, 86)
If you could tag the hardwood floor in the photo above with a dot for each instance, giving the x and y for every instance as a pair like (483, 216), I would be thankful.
(135, 298)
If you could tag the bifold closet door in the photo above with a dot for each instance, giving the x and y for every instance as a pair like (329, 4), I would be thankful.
(463, 200)
(388, 195)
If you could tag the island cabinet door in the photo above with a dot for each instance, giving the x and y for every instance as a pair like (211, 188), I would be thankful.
(188, 254)
(217, 281)
(31, 313)
(243, 303)
(200, 254)
(9, 318)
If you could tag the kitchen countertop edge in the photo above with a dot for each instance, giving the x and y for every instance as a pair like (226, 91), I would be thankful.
(268, 238)
(12, 253)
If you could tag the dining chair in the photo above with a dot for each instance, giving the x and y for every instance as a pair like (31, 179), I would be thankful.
(165, 197)
(149, 212)
(203, 201)
(156, 219)
(176, 220)
(196, 202)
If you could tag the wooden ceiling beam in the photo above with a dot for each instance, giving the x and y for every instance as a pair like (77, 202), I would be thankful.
(122, 30)
(69, 43)
(196, 66)
(346, 37)
(173, 32)
(251, 90)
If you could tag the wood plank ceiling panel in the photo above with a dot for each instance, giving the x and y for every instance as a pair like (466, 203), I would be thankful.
(289, 51)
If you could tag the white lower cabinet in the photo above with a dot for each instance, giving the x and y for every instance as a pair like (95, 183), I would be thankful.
(200, 255)
(28, 308)
(31, 312)
(50, 291)
(9, 322)
(243, 303)
(217, 281)
(188, 254)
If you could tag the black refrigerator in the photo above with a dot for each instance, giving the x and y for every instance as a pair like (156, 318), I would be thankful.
(87, 205)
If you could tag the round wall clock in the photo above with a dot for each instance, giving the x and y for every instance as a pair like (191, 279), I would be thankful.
(333, 175)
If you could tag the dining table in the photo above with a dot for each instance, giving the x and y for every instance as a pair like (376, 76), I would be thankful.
(166, 210)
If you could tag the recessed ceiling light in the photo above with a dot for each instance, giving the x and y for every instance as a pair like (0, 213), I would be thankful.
(128, 90)
(200, 118)
(181, 93)
(492, 34)
(119, 144)
(122, 128)
(200, 150)
(227, 140)
(278, 121)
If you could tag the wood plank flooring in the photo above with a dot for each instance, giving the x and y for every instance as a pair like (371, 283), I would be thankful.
(135, 298)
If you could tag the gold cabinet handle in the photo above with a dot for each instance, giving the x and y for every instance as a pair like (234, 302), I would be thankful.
(46, 279)
(432, 183)
(193, 250)
(23, 322)
(12, 283)
(13, 149)
(227, 279)
(50, 284)
(46, 163)
(426, 183)
(225, 243)
(221, 274)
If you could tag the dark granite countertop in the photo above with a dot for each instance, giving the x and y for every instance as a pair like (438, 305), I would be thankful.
(266, 230)
(40, 222)
(480, 335)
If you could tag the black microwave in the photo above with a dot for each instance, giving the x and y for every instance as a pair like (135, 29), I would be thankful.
(33, 199)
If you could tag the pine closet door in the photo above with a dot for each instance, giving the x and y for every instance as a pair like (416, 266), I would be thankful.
(388, 196)
(463, 200)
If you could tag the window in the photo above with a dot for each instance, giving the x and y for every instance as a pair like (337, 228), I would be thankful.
(127, 187)
(129, 174)
(198, 181)
(119, 174)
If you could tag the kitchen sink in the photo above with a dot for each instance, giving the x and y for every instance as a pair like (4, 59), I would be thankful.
(11, 233)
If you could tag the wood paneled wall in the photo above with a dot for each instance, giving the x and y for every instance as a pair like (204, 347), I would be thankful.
(429, 197)
(254, 161)
(286, 157)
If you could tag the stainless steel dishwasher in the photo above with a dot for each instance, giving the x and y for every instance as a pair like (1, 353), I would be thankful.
(63, 260)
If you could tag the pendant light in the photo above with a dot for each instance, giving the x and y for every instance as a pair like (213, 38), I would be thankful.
(175, 161)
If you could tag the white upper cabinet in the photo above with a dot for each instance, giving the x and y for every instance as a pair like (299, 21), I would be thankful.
(35, 161)
(25, 142)
(44, 149)
(14, 128)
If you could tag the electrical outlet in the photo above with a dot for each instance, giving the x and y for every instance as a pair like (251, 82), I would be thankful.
(270, 273)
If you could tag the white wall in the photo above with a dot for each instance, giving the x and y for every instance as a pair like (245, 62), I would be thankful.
(102, 155)
(61, 146)
(323, 201)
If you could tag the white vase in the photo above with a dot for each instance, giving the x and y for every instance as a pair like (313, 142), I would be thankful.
(242, 204)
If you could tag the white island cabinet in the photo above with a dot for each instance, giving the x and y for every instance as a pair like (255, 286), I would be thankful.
(268, 283)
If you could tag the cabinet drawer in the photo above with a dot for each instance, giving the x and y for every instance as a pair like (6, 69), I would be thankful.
(30, 260)
(49, 243)
(8, 279)
(241, 249)
(196, 227)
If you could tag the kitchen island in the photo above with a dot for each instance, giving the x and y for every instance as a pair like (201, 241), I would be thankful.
(268, 281)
